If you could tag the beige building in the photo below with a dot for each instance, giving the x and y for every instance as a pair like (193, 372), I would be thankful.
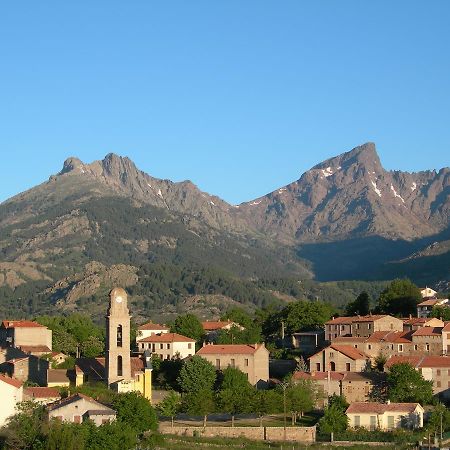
(24, 333)
(425, 308)
(339, 358)
(385, 416)
(11, 393)
(427, 292)
(149, 329)
(354, 386)
(414, 323)
(432, 368)
(78, 408)
(253, 360)
(29, 368)
(168, 345)
(212, 328)
(361, 326)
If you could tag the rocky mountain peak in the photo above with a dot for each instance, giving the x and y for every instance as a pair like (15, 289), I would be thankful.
(70, 164)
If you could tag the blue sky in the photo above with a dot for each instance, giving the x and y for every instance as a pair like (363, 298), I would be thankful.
(241, 97)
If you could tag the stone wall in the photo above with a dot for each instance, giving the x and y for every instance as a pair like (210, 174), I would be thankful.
(297, 434)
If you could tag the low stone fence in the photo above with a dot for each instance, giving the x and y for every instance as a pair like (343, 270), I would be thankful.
(296, 434)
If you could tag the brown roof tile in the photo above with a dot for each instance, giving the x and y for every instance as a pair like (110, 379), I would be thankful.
(380, 408)
(228, 349)
(166, 337)
(21, 324)
(11, 381)
(428, 331)
(152, 326)
(41, 392)
(349, 351)
(215, 325)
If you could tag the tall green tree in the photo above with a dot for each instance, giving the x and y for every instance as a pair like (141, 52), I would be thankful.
(400, 298)
(300, 397)
(199, 402)
(360, 306)
(405, 384)
(441, 312)
(188, 325)
(267, 402)
(333, 420)
(171, 405)
(197, 374)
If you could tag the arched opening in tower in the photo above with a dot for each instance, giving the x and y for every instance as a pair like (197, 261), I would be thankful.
(119, 366)
(119, 336)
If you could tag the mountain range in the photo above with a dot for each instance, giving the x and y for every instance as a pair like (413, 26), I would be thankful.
(347, 218)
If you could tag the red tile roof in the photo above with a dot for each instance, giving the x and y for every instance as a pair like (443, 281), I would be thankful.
(21, 324)
(34, 348)
(228, 349)
(41, 392)
(380, 408)
(340, 320)
(349, 339)
(74, 398)
(391, 337)
(428, 331)
(347, 350)
(351, 319)
(166, 337)
(152, 326)
(429, 302)
(11, 381)
(420, 361)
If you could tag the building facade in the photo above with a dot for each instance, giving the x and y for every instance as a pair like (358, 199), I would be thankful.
(168, 345)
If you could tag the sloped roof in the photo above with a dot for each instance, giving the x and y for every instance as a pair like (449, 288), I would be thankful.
(428, 331)
(391, 337)
(217, 325)
(41, 392)
(57, 376)
(347, 350)
(152, 326)
(229, 349)
(34, 348)
(166, 337)
(21, 324)
(11, 381)
(340, 321)
(77, 397)
(429, 302)
(420, 361)
(380, 408)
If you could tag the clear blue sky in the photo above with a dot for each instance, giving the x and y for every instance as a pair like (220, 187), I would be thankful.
(241, 97)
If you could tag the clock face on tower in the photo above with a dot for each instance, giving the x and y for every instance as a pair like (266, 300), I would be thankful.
(119, 299)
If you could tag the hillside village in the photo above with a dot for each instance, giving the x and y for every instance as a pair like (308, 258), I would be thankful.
(351, 361)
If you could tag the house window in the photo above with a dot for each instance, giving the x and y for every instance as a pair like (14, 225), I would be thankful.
(119, 366)
(189, 345)
(400, 347)
(448, 335)
(161, 346)
(318, 367)
(391, 326)
(416, 347)
(331, 354)
(168, 346)
(153, 347)
(347, 367)
(390, 422)
(332, 366)
(438, 372)
(233, 362)
(369, 326)
(427, 347)
(246, 362)
(369, 347)
(119, 336)
(448, 372)
(357, 326)
(217, 364)
(357, 421)
(373, 423)
(438, 384)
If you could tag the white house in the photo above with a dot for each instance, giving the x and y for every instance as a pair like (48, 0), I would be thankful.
(168, 345)
(11, 393)
(150, 328)
(385, 416)
(428, 292)
(425, 308)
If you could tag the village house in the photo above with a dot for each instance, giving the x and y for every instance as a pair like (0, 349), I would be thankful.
(253, 360)
(28, 368)
(361, 326)
(149, 329)
(432, 368)
(353, 386)
(168, 345)
(78, 408)
(27, 335)
(308, 342)
(427, 292)
(43, 395)
(425, 308)
(385, 416)
(339, 358)
(58, 378)
(11, 393)
(414, 323)
(212, 328)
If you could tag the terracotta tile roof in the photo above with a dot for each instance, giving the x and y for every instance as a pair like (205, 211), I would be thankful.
(428, 331)
(420, 361)
(369, 318)
(152, 326)
(429, 302)
(74, 398)
(391, 337)
(349, 351)
(11, 381)
(34, 348)
(349, 339)
(21, 324)
(228, 349)
(380, 408)
(353, 319)
(414, 320)
(41, 392)
(166, 337)
(446, 326)
(340, 321)
(215, 325)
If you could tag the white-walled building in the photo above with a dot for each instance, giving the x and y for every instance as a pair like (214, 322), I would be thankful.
(11, 393)
(149, 329)
(168, 345)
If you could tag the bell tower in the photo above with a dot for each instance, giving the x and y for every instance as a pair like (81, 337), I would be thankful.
(118, 363)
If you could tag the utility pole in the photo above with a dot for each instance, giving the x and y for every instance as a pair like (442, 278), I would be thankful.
(284, 385)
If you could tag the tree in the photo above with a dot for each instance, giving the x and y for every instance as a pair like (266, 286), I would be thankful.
(64, 342)
(197, 374)
(439, 421)
(92, 347)
(405, 384)
(360, 306)
(300, 397)
(171, 405)
(136, 411)
(441, 312)
(400, 298)
(267, 402)
(338, 401)
(24, 429)
(199, 403)
(334, 420)
(236, 394)
(188, 325)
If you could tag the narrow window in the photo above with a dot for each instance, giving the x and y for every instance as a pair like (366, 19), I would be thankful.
(357, 421)
(246, 362)
(318, 367)
(119, 366)
(217, 364)
(119, 336)
(189, 345)
(347, 367)
(332, 366)
(232, 362)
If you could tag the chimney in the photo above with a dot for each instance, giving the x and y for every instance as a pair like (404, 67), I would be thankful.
(388, 402)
